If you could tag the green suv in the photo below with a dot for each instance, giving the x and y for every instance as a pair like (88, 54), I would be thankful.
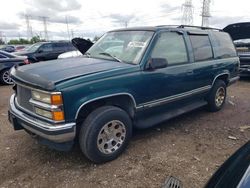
(130, 78)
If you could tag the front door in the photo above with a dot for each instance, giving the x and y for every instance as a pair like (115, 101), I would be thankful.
(173, 80)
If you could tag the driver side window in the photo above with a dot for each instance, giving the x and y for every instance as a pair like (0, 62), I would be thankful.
(170, 46)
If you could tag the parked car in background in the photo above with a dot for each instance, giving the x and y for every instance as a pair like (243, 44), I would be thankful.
(44, 51)
(75, 53)
(20, 48)
(130, 78)
(235, 172)
(79, 43)
(7, 61)
(8, 48)
(240, 33)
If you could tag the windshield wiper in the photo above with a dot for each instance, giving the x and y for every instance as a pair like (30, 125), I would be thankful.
(107, 54)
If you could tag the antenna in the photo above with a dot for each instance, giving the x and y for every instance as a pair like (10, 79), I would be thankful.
(187, 16)
(205, 14)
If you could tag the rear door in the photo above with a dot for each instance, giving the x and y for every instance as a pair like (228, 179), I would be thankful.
(204, 64)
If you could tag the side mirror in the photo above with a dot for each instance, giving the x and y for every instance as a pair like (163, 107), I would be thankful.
(157, 63)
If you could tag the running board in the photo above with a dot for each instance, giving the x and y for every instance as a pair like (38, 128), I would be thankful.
(151, 121)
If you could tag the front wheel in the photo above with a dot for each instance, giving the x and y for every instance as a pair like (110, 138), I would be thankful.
(217, 96)
(5, 77)
(105, 134)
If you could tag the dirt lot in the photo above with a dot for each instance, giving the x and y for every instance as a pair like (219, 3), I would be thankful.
(190, 147)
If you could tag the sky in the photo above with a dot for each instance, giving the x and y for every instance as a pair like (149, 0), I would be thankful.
(92, 18)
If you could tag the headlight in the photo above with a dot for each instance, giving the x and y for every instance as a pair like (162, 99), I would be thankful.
(43, 113)
(54, 115)
(49, 105)
(42, 97)
(54, 98)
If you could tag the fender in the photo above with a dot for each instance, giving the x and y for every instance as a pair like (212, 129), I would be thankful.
(225, 73)
(103, 97)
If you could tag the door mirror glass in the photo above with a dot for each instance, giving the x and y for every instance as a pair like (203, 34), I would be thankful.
(157, 63)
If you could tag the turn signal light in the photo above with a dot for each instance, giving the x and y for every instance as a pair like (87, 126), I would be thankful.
(58, 116)
(56, 99)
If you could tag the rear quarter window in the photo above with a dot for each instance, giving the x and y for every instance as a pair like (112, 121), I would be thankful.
(201, 47)
(222, 45)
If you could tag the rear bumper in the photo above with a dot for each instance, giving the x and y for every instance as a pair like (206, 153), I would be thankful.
(58, 133)
(245, 71)
(233, 80)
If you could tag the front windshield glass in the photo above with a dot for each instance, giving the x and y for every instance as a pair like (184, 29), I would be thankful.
(126, 46)
(34, 47)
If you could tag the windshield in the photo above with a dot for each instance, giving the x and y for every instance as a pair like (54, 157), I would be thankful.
(127, 46)
(34, 47)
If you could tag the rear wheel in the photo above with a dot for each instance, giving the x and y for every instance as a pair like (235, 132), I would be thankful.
(5, 77)
(105, 134)
(217, 96)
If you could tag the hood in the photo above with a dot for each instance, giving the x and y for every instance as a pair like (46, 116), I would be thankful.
(238, 30)
(46, 74)
(81, 44)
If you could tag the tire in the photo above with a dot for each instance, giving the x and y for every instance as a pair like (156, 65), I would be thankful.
(105, 134)
(217, 96)
(5, 77)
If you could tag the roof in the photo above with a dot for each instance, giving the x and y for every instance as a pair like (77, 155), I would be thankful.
(163, 27)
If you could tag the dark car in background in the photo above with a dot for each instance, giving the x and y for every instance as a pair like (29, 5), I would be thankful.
(240, 33)
(7, 61)
(8, 48)
(44, 51)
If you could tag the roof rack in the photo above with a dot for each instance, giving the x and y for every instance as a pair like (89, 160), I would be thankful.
(190, 26)
(198, 27)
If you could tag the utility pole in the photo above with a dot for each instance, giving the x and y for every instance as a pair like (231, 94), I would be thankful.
(187, 12)
(29, 28)
(205, 14)
(67, 23)
(44, 20)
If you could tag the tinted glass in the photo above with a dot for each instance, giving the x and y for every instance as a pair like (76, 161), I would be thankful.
(223, 45)
(60, 46)
(201, 47)
(170, 46)
(46, 48)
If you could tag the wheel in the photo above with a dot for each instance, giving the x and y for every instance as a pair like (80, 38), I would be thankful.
(217, 96)
(105, 134)
(5, 77)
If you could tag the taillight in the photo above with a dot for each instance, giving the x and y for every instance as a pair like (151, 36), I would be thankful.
(26, 61)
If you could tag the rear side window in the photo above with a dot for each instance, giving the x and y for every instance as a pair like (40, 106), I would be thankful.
(170, 46)
(223, 45)
(201, 47)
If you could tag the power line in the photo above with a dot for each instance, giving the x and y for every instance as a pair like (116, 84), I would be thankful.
(44, 20)
(29, 28)
(187, 10)
(205, 14)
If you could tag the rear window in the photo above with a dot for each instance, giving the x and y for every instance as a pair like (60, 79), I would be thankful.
(201, 47)
(223, 46)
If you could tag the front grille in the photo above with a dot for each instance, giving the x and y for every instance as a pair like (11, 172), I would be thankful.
(23, 97)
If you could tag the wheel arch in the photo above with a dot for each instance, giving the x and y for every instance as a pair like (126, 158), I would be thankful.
(125, 101)
(222, 76)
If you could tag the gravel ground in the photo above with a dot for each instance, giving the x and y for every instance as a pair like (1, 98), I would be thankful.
(190, 147)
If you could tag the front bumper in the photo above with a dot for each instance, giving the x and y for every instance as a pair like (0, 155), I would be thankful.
(58, 133)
